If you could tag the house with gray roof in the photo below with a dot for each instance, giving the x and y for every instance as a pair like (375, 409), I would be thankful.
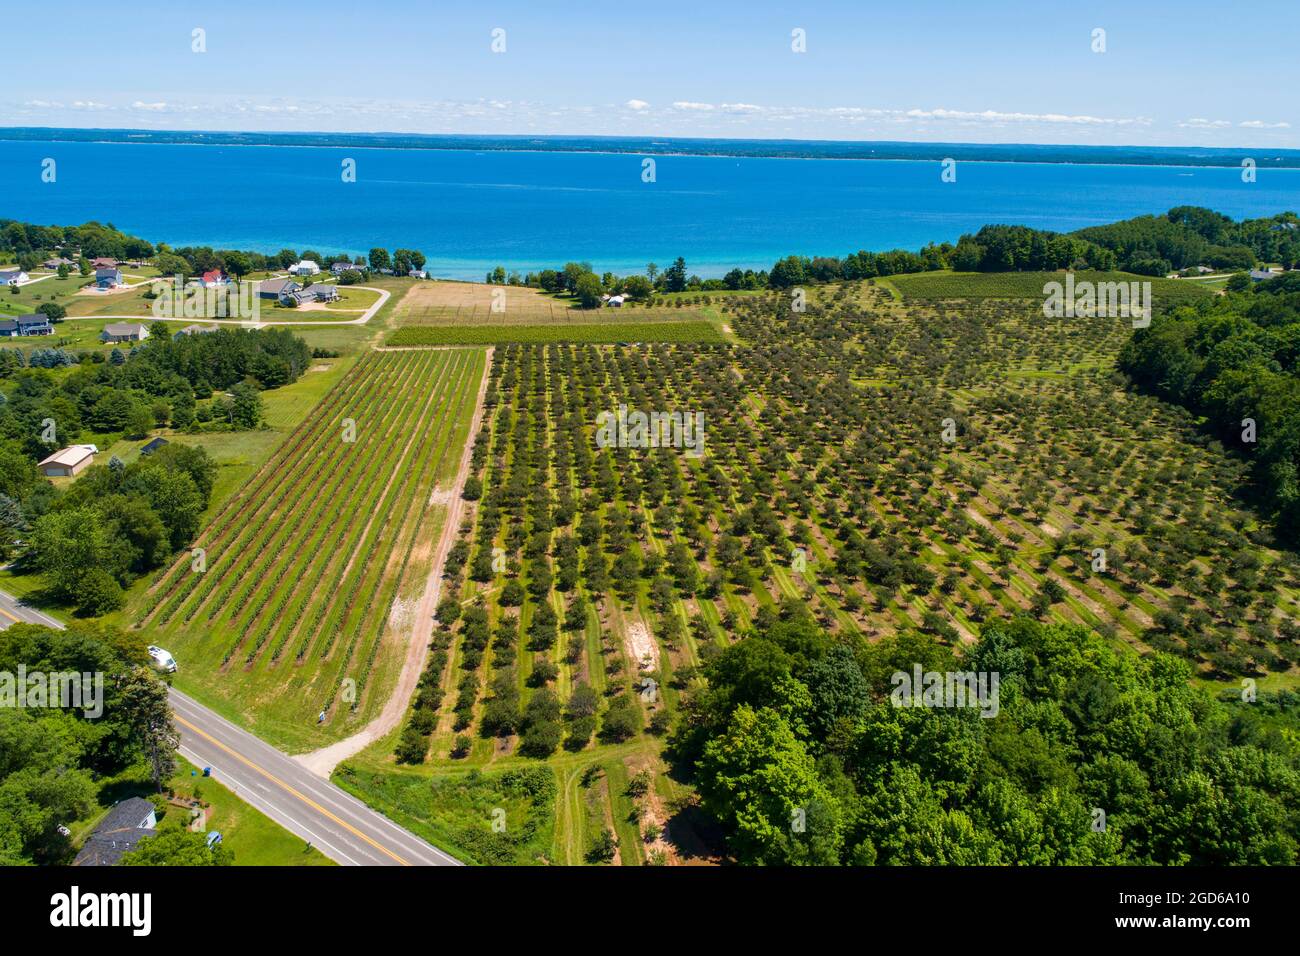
(124, 332)
(277, 289)
(316, 293)
(37, 323)
(119, 833)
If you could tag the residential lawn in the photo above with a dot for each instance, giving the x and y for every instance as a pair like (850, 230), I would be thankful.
(52, 289)
(255, 838)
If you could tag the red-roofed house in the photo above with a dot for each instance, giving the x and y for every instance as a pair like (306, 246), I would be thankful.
(213, 279)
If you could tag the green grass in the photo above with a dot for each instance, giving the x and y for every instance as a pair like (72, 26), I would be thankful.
(306, 560)
(28, 297)
(499, 818)
(1025, 285)
(595, 334)
(254, 838)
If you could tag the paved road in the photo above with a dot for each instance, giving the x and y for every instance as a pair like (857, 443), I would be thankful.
(335, 822)
(12, 612)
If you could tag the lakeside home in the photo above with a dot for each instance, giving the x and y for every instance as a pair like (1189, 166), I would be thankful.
(277, 289)
(13, 277)
(108, 277)
(315, 293)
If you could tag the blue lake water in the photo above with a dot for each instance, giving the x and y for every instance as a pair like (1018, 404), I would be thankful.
(469, 211)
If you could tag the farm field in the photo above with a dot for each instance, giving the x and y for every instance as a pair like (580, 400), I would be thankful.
(313, 567)
(886, 467)
(609, 333)
(1027, 285)
(442, 303)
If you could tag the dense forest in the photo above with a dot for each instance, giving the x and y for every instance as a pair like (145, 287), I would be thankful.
(1184, 238)
(1236, 361)
(1095, 756)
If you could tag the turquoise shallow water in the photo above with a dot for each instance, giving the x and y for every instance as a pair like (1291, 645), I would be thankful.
(469, 210)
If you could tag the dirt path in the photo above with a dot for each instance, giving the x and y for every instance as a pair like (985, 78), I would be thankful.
(323, 761)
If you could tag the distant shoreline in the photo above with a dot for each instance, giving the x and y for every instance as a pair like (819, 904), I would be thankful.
(1166, 156)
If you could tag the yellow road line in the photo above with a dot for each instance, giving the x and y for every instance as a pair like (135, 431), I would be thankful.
(16, 620)
(276, 780)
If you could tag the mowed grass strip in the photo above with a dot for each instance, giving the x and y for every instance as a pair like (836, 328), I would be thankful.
(297, 597)
(603, 334)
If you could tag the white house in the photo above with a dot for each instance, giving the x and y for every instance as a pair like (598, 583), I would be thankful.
(616, 301)
(304, 268)
(13, 277)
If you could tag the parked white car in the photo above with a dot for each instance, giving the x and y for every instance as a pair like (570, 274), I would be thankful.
(163, 659)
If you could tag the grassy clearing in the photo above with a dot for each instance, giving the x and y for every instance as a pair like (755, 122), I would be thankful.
(499, 818)
(608, 333)
(1025, 285)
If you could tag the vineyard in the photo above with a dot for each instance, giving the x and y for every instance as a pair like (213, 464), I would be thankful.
(889, 468)
(300, 595)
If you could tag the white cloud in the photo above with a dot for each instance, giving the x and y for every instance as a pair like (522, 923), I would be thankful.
(151, 107)
(740, 108)
(994, 116)
(1199, 122)
(692, 107)
(637, 105)
(1260, 124)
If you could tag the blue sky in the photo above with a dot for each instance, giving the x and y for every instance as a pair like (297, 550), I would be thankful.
(992, 71)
